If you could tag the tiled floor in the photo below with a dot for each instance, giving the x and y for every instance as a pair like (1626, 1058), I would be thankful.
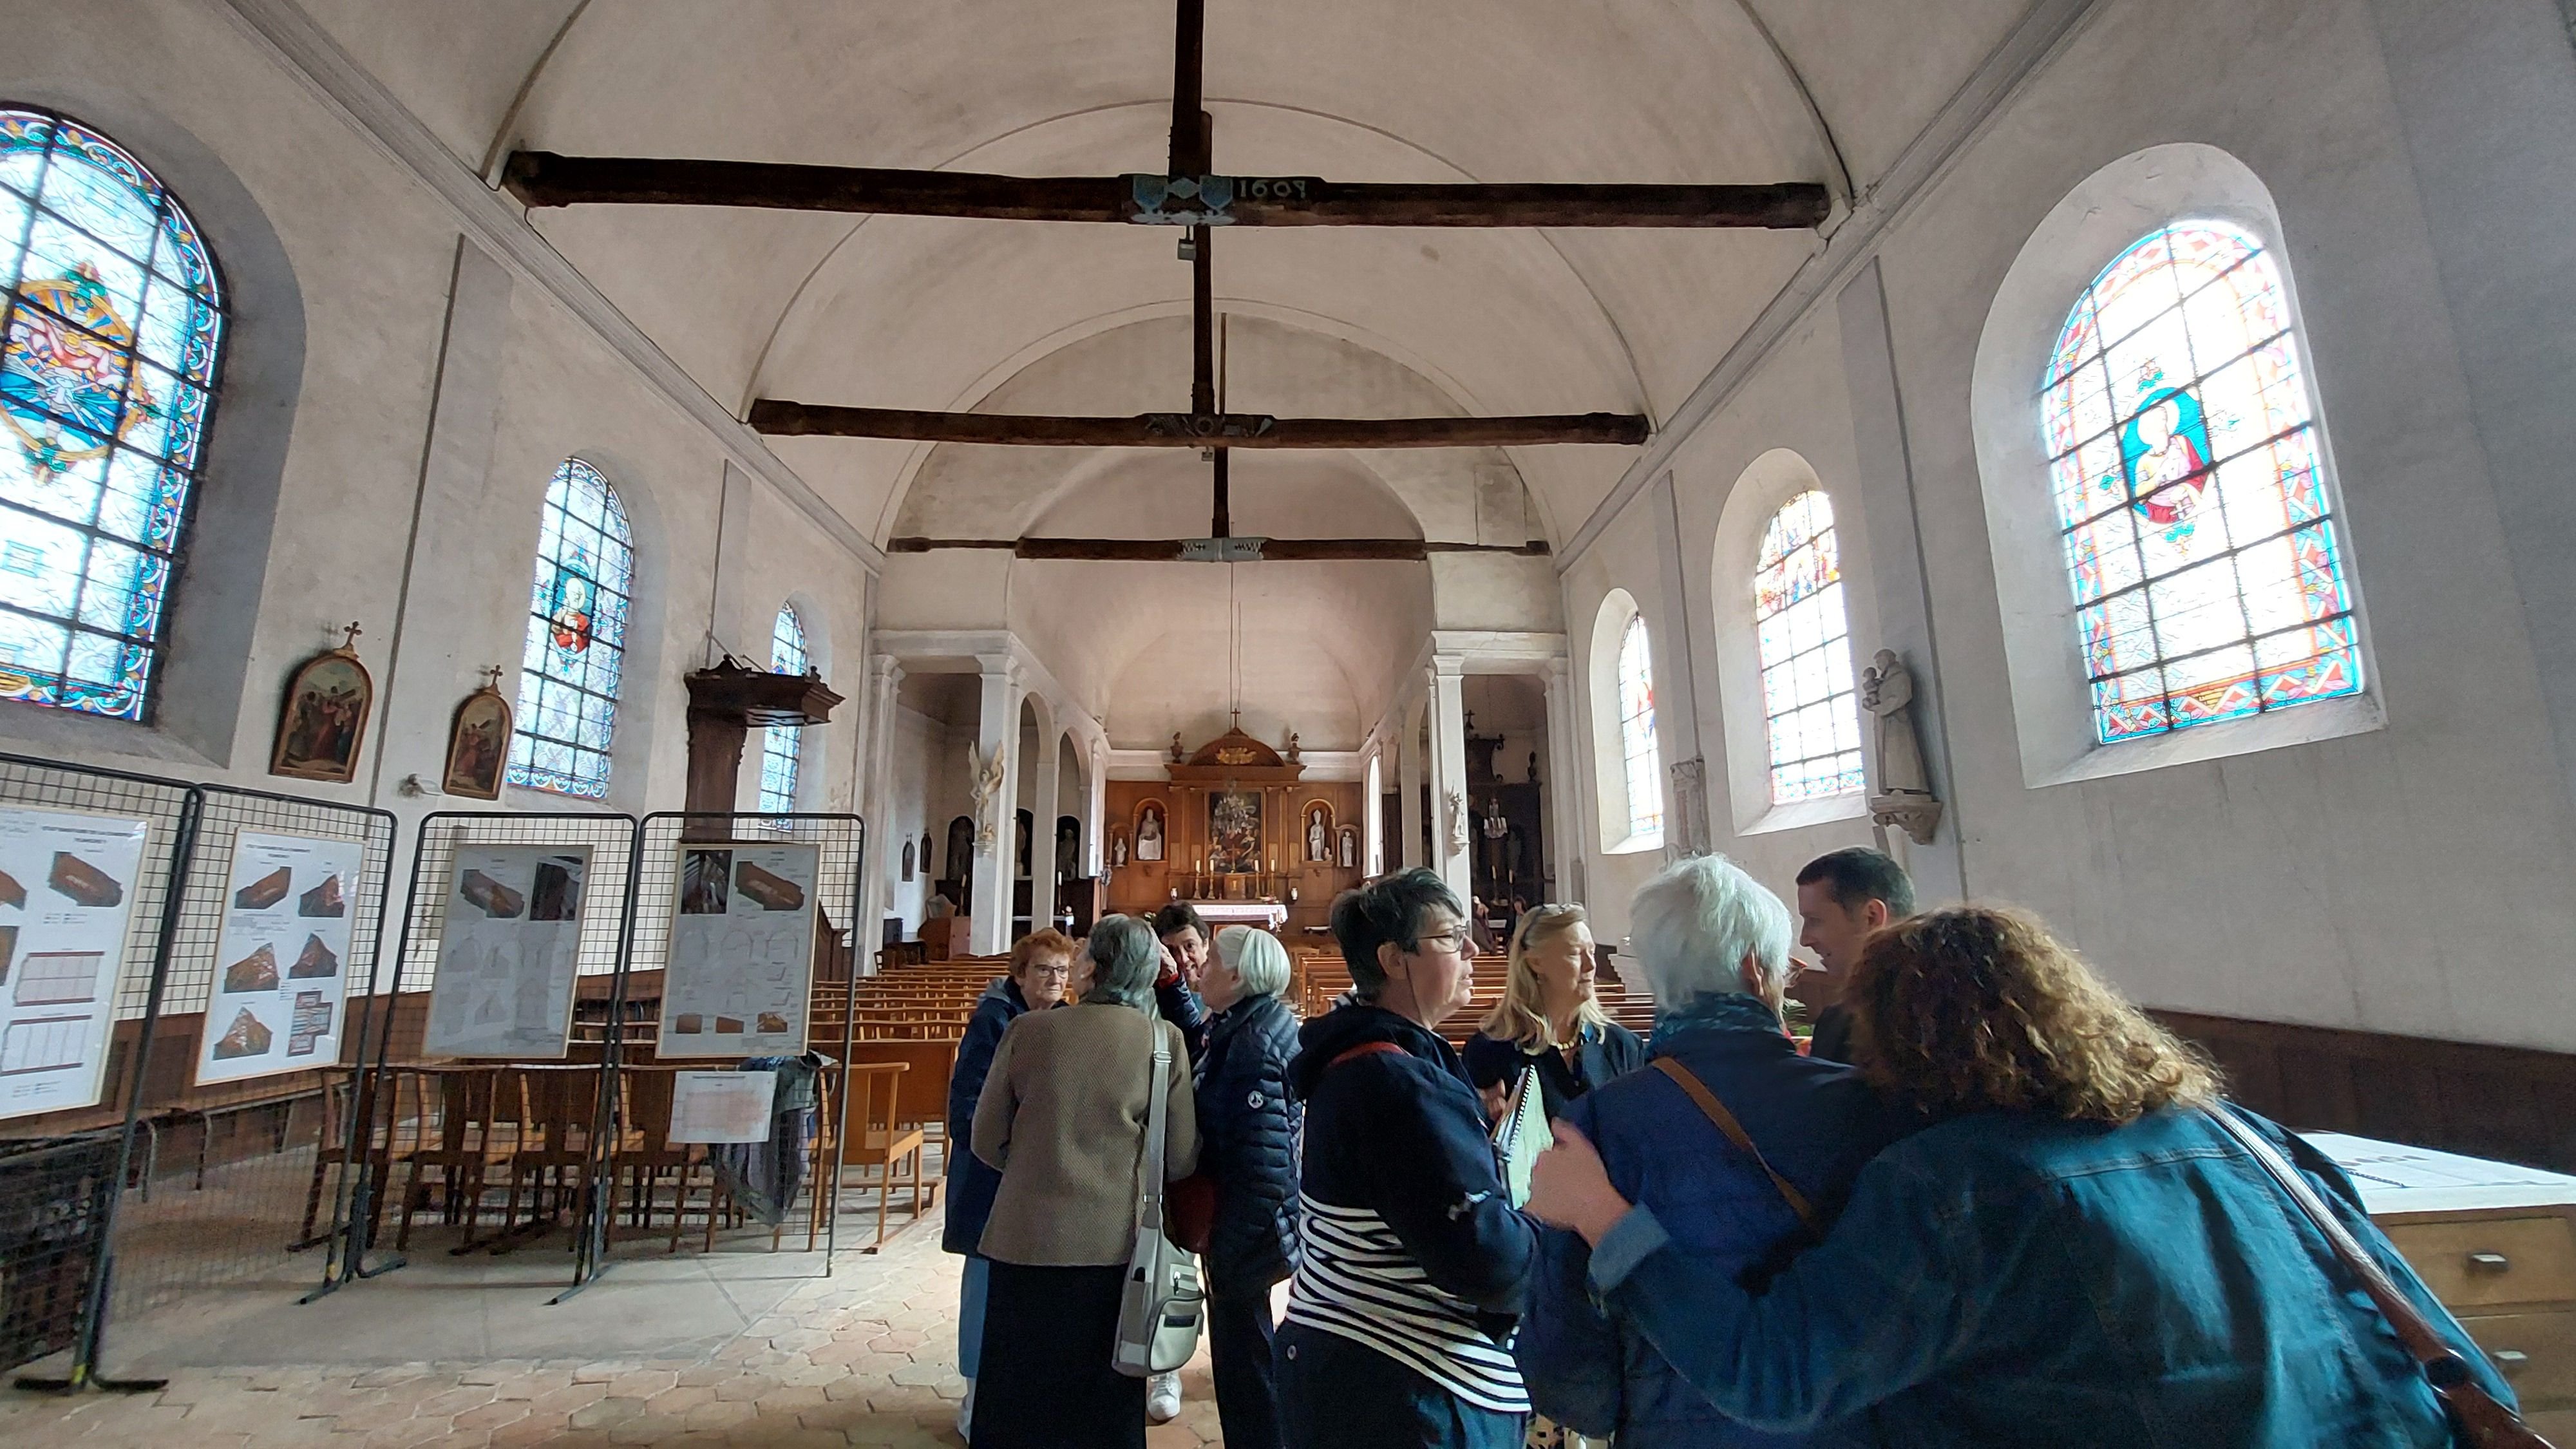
(740, 1347)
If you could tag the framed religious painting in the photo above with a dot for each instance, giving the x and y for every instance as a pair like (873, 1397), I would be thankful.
(324, 721)
(478, 746)
(1234, 832)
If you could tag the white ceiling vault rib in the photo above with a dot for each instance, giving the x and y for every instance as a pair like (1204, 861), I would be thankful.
(2041, 34)
(304, 50)
(499, 148)
(1844, 189)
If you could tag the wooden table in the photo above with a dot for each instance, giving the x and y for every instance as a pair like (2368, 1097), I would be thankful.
(2497, 1244)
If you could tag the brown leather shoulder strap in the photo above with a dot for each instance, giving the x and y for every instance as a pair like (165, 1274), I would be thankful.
(1684, 1078)
(1366, 1049)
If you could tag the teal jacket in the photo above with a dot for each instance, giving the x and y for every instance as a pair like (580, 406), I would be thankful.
(2005, 1279)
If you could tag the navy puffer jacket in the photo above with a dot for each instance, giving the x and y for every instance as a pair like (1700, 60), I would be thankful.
(1248, 1143)
(971, 1184)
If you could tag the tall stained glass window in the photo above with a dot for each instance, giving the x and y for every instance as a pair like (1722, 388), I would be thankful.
(1637, 749)
(1810, 713)
(576, 654)
(779, 748)
(2182, 442)
(115, 319)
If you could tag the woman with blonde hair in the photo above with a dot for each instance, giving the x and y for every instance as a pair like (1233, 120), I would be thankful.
(2076, 1250)
(1548, 1019)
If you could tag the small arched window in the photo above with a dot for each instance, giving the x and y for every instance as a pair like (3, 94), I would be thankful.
(779, 748)
(1811, 716)
(1637, 750)
(2183, 455)
(576, 656)
(115, 320)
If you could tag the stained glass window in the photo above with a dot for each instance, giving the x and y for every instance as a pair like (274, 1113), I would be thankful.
(570, 671)
(1810, 714)
(2183, 457)
(779, 748)
(114, 322)
(1637, 748)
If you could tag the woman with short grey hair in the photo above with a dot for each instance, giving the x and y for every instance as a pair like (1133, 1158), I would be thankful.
(1063, 1118)
(1715, 944)
(1250, 1151)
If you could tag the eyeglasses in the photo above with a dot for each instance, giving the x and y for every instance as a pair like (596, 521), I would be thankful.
(1456, 938)
(1058, 973)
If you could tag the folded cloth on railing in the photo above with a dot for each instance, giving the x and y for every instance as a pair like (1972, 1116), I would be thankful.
(763, 1176)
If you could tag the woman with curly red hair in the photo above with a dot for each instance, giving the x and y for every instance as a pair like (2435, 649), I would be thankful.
(2073, 1251)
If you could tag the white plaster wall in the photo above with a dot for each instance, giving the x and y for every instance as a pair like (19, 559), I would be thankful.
(2412, 879)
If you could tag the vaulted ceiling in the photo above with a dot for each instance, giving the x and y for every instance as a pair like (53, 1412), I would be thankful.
(942, 314)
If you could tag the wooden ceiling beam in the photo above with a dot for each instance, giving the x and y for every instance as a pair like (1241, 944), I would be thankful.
(779, 418)
(544, 178)
(1216, 550)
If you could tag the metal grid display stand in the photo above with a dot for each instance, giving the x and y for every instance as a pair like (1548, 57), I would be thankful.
(201, 1234)
(607, 920)
(841, 842)
(59, 1199)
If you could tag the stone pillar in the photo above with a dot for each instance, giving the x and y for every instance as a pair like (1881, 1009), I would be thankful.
(1560, 793)
(886, 835)
(1095, 809)
(1448, 761)
(1373, 813)
(1050, 767)
(1408, 794)
(997, 727)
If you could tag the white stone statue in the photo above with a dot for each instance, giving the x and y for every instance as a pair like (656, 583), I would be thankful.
(988, 775)
(1149, 834)
(1904, 795)
(1457, 824)
(1317, 841)
(1350, 848)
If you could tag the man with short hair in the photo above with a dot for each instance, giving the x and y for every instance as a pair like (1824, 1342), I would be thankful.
(1842, 897)
(1413, 1265)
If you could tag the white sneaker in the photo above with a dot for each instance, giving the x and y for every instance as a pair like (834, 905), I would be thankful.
(966, 1414)
(1162, 1398)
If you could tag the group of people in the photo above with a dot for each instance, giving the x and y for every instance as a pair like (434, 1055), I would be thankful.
(1990, 1203)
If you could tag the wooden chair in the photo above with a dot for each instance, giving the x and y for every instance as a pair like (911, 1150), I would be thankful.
(390, 1134)
(645, 1152)
(868, 1135)
(558, 1108)
(470, 1141)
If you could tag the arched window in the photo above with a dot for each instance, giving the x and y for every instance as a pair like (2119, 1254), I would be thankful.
(2181, 437)
(779, 747)
(115, 320)
(1637, 751)
(1811, 716)
(576, 654)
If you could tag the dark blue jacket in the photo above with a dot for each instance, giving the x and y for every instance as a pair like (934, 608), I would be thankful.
(971, 1183)
(1248, 1143)
(1607, 1052)
(2007, 1279)
(1403, 1135)
(1816, 1122)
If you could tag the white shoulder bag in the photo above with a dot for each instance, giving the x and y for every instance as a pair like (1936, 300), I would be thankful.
(1161, 1308)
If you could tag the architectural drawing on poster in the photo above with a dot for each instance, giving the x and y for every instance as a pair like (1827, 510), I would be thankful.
(67, 891)
(510, 952)
(742, 951)
(281, 978)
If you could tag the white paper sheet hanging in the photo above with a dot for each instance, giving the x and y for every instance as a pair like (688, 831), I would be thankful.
(722, 1106)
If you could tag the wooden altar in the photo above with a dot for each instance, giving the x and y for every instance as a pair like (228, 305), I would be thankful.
(1235, 822)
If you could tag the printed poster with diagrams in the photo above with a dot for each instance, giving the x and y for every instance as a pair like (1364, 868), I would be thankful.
(742, 951)
(67, 887)
(510, 952)
(281, 972)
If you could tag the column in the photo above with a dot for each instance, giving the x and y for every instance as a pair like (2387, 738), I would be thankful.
(997, 728)
(1095, 809)
(1050, 767)
(1408, 793)
(886, 835)
(1448, 761)
(1373, 812)
(1561, 791)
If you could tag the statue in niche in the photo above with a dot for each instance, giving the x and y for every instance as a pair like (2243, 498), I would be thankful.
(1118, 850)
(1350, 847)
(1904, 795)
(1318, 836)
(1149, 833)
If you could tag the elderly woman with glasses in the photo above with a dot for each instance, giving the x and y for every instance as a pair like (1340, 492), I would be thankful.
(2077, 1250)
(1041, 964)
(1548, 1021)
(1248, 1129)
(1062, 1118)
(1413, 1264)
